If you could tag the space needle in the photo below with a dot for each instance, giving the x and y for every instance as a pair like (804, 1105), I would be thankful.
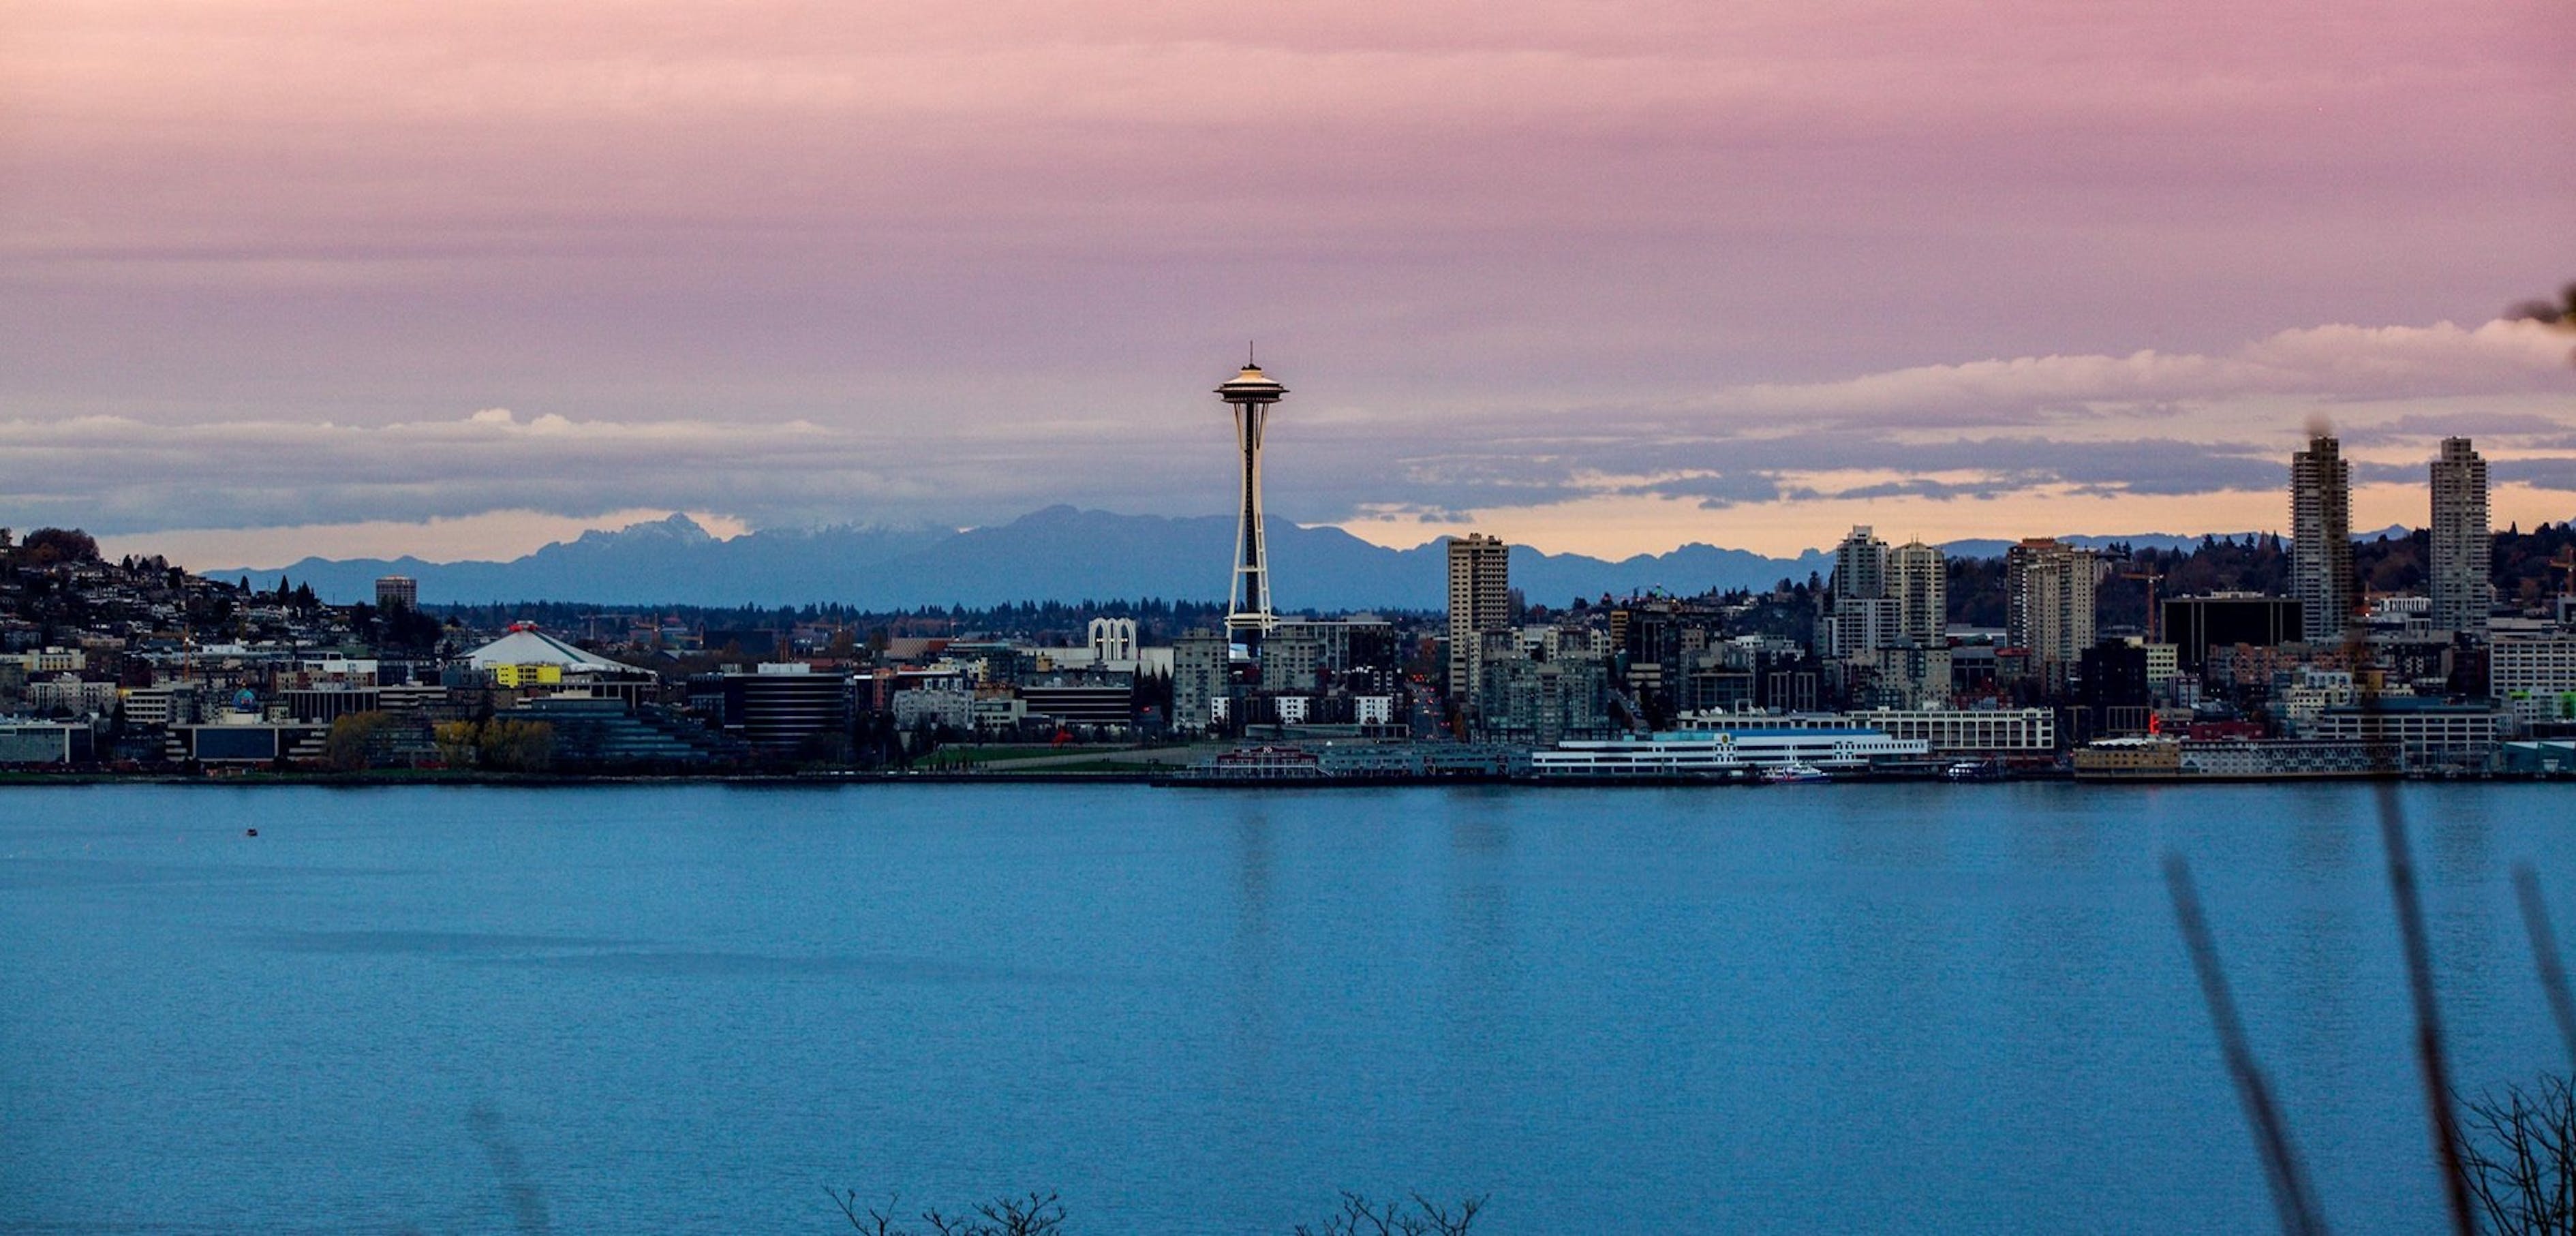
(1247, 610)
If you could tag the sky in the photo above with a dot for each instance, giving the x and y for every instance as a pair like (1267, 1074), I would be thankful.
(457, 280)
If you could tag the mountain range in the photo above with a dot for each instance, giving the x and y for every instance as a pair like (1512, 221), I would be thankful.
(1059, 554)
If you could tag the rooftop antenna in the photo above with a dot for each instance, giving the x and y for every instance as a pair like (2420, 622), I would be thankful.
(1248, 361)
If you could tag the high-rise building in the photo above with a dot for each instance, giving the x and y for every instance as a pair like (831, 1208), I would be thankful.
(2049, 593)
(2463, 550)
(2321, 539)
(1919, 579)
(1860, 566)
(1866, 616)
(403, 590)
(1480, 602)
(1202, 681)
(1247, 612)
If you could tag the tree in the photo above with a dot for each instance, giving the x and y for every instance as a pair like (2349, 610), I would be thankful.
(2518, 1150)
(47, 546)
(346, 750)
(458, 742)
(1362, 1217)
(1034, 1215)
(517, 746)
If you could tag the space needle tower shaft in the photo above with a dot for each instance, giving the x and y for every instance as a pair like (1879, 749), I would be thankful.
(1247, 611)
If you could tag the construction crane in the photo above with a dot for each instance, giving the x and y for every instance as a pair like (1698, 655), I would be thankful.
(2152, 579)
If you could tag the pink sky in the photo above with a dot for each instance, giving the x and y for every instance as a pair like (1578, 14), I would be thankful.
(1603, 277)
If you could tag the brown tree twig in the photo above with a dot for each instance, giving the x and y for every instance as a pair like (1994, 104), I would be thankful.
(2544, 954)
(2292, 1197)
(2430, 1060)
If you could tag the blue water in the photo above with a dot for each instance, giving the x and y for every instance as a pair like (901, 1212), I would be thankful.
(1871, 1008)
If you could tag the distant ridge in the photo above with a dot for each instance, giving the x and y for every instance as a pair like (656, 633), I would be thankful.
(1057, 554)
(1060, 553)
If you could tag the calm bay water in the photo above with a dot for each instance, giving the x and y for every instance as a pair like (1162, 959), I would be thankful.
(1899, 1007)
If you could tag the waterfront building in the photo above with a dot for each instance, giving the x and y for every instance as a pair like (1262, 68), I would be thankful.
(2532, 674)
(1248, 616)
(1480, 602)
(2421, 732)
(2049, 604)
(1686, 752)
(2321, 539)
(1542, 702)
(24, 741)
(786, 709)
(1101, 700)
(1946, 731)
(605, 735)
(2463, 550)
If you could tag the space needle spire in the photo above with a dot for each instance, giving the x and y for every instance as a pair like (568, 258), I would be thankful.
(1247, 609)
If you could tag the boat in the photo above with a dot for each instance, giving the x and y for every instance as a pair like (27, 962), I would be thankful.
(1972, 770)
(1794, 772)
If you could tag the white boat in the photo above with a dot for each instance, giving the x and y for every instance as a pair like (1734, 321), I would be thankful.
(1794, 773)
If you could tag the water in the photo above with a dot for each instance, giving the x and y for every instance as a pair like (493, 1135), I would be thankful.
(1899, 1007)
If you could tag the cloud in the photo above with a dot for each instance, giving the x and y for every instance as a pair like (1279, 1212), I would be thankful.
(2007, 431)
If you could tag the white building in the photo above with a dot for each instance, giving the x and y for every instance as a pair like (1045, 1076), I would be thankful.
(1945, 730)
(1112, 640)
(1723, 751)
(2532, 674)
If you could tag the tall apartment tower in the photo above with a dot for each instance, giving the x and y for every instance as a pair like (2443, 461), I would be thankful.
(2321, 539)
(1860, 566)
(1918, 577)
(1247, 609)
(2463, 563)
(403, 590)
(1480, 601)
(2049, 591)
(1865, 614)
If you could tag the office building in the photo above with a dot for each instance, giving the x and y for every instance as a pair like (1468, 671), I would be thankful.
(2195, 625)
(2463, 551)
(2321, 540)
(1480, 602)
(786, 709)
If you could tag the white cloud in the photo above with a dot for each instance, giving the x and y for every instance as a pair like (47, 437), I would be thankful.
(2018, 433)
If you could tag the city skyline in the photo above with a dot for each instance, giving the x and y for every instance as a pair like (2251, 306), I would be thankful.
(451, 282)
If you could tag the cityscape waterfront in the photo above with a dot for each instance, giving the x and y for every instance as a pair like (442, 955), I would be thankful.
(2446, 651)
(1330, 619)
